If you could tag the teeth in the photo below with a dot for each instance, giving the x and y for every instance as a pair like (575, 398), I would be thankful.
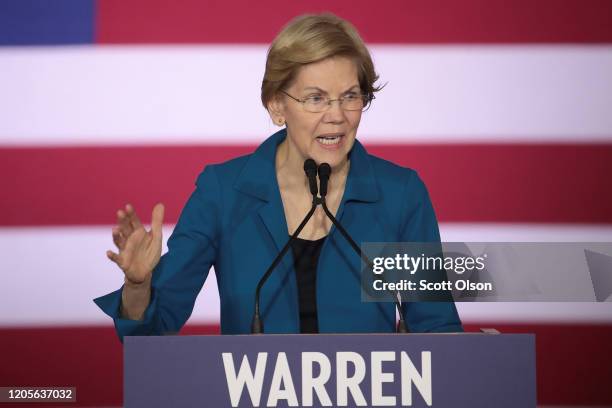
(329, 140)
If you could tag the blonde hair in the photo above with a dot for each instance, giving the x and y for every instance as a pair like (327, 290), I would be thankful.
(310, 38)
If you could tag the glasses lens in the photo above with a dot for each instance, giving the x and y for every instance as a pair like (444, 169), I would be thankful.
(316, 104)
(349, 103)
(353, 103)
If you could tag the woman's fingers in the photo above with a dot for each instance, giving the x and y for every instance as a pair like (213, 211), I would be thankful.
(157, 220)
(124, 223)
(136, 246)
(113, 256)
(128, 220)
(118, 238)
(132, 217)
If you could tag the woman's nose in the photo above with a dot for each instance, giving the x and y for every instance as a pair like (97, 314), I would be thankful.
(335, 112)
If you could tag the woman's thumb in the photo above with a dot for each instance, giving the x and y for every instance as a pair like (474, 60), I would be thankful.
(157, 221)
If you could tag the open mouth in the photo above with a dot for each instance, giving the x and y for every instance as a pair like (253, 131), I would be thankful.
(330, 140)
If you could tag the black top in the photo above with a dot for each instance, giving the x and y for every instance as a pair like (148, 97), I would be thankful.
(306, 257)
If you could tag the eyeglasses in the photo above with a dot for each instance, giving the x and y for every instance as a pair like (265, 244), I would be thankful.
(351, 101)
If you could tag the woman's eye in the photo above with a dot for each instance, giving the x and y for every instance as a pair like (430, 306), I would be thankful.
(315, 99)
(350, 96)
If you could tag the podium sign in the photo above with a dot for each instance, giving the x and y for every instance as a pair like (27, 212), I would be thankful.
(416, 370)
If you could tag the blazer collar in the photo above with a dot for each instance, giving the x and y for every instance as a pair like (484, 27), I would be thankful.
(258, 177)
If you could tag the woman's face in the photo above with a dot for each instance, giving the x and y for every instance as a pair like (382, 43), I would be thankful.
(327, 136)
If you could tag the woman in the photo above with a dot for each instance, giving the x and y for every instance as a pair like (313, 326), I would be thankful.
(319, 78)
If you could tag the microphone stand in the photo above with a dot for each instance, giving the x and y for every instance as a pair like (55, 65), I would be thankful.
(324, 173)
(310, 167)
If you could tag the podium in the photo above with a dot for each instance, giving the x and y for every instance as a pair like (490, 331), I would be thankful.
(416, 370)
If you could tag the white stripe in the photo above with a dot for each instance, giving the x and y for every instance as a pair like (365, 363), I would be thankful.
(51, 275)
(210, 94)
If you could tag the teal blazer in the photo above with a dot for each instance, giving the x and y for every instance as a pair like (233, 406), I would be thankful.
(234, 221)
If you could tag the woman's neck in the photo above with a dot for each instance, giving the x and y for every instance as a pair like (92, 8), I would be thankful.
(290, 170)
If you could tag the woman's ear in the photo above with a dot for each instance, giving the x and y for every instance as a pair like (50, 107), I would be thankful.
(276, 109)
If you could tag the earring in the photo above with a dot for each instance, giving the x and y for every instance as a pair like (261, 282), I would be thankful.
(281, 122)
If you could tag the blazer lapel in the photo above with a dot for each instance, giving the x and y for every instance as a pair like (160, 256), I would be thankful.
(258, 179)
(361, 185)
(272, 215)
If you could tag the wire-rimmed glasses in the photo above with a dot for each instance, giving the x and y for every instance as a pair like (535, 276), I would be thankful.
(350, 101)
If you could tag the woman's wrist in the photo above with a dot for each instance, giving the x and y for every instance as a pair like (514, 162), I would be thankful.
(137, 285)
(135, 298)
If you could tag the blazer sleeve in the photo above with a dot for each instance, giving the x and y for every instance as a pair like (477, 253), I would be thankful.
(178, 277)
(420, 225)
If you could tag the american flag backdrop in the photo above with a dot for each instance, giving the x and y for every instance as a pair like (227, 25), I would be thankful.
(503, 107)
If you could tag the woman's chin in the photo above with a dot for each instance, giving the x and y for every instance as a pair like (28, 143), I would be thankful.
(334, 160)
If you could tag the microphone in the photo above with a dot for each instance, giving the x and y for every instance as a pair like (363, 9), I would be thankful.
(310, 168)
(324, 173)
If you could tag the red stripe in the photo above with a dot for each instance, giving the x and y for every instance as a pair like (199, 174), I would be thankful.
(386, 21)
(470, 183)
(513, 183)
(574, 363)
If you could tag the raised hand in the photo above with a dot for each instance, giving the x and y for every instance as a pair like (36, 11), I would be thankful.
(139, 249)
